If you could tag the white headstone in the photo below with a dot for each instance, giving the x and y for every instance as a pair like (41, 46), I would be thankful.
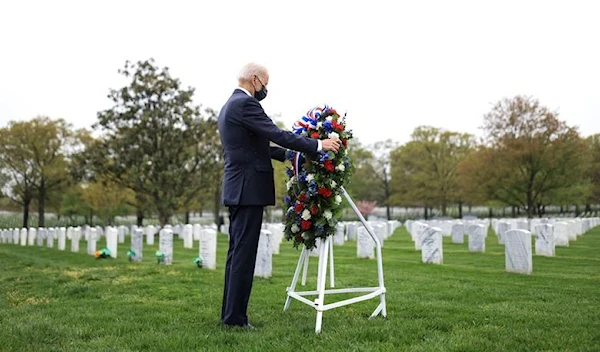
(417, 230)
(31, 236)
(16, 236)
(24, 236)
(137, 245)
(264, 256)
(561, 238)
(502, 228)
(458, 233)
(365, 247)
(150, 232)
(379, 230)
(112, 238)
(188, 236)
(340, 235)
(544, 240)
(122, 232)
(477, 236)
(351, 231)
(50, 234)
(431, 246)
(62, 238)
(91, 241)
(197, 232)
(165, 245)
(76, 236)
(40, 236)
(276, 236)
(208, 248)
(518, 251)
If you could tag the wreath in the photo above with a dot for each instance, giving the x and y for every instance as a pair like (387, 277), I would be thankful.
(314, 189)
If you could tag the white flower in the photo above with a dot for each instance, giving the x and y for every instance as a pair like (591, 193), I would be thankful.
(306, 214)
(288, 185)
(319, 125)
(330, 118)
(305, 236)
(333, 184)
(338, 199)
(333, 135)
(327, 214)
(295, 228)
(341, 167)
(310, 177)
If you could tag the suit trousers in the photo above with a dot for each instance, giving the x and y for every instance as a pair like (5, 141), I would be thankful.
(245, 223)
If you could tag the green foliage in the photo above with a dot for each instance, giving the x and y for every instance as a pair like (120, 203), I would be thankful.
(531, 158)
(63, 301)
(425, 170)
(34, 156)
(155, 142)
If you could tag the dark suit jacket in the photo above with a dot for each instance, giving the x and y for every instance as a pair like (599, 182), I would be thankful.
(245, 132)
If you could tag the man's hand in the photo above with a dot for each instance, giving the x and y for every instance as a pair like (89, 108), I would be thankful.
(331, 145)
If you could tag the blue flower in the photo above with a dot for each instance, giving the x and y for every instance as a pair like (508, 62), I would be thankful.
(320, 229)
(323, 157)
(327, 126)
(290, 155)
(289, 172)
(288, 201)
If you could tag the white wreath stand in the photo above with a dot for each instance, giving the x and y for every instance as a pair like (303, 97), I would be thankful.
(326, 249)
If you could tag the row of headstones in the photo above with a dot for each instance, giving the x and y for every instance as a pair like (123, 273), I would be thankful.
(517, 239)
(207, 238)
(272, 235)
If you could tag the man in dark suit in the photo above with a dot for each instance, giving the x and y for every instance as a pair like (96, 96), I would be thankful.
(248, 184)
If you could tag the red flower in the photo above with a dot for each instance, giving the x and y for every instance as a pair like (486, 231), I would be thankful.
(302, 197)
(305, 224)
(299, 237)
(314, 209)
(345, 143)
(329, 165)
(299, 208)
(315, 135)
(337, 126)
(325, 192)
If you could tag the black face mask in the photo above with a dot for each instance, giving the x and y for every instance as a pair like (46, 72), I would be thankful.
(262, 93)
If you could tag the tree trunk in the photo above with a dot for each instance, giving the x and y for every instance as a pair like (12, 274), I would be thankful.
(444, 208)
(460, 204)
(561, 209)
(588, 209)
(41, 203)
(491, 213)
(576, 210)
(388, 212)
(26, 204)
(426, 212)
(140, 217)
(514, 211)
(187, 217)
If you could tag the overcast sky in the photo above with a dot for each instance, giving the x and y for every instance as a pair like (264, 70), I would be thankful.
(391, 65)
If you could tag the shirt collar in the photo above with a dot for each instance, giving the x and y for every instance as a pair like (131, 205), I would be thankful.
(245, 91)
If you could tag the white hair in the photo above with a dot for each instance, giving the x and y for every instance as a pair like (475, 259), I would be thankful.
(250, 70)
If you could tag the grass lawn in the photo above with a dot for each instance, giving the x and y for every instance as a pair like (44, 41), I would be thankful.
(63, 301)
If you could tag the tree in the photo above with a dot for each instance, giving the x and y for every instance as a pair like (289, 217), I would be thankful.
(531, 158)
(154, 140)
(424, 170)
(35, 156)
(362, 185)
